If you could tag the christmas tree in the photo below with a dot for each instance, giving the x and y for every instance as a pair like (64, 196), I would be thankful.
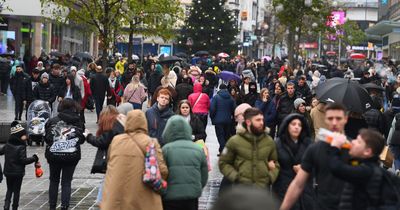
(211, 27)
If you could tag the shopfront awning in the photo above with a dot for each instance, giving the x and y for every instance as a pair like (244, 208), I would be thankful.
(383, 27)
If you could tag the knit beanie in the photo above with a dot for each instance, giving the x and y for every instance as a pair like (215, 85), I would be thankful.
(17, 130)
(44, 75)
(297, 103)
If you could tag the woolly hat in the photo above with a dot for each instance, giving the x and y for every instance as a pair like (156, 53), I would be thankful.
(44, 75)
(125, 108)
(222, 86)
(17, 130)
(81, 72)
(297, 103)
(73, 68)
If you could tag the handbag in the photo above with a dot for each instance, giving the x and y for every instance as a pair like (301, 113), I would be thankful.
(386, 157)
(152, 175)
(90, 103)
(100, 162)
(197, 100)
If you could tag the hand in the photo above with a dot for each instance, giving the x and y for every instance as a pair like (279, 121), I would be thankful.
(296, 168)
(35, 157)
(109, 97)
(271, 165)
(60, 99)
(338, 140)
(264, 99)
(86, 133)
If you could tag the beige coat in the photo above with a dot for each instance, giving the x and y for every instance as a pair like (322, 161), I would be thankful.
(123, 186)
(318, 117)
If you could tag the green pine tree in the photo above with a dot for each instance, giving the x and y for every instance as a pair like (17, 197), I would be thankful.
(210, 27)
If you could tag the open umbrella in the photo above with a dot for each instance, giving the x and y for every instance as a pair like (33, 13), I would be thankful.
(135, 57)
(227, 75)
(168, 59)
(201, 53)
(373, 86)
(268, 58)
(349, 93)
(56, 54)
(181, 55)
(223, 55)
(84, 56)
(357, 56)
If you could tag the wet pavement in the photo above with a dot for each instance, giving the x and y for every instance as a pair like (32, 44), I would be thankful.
(34, 191)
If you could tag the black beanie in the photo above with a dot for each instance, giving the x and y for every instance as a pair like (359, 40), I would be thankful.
(222, 86)
(17, 130)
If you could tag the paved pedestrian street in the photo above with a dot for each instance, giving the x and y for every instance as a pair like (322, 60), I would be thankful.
(34, 191)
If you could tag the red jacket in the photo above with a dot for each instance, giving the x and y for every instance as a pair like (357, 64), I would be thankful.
(203, 104)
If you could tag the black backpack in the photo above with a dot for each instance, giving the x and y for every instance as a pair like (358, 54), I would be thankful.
(388, 196)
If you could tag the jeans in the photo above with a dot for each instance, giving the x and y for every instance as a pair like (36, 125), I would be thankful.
(13, 187)
(100, 193)
(261, 81)
(203, 118)
(395, 149)
(55, 173)
(191, 204)
(136, 105)
(99, 102)
(223, 132)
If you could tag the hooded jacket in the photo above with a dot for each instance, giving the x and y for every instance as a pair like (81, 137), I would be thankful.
(269, 110)
(186, 161)
(64, 135)
(157, 119)
(15, 157)
(57, 82)
(20, 85)
(123, 185)
(245, 158)
(287, 159)
(203, 104)
(222, 108)
(286, 105)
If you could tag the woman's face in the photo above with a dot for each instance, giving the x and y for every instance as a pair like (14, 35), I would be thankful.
(202, 79)
(302, 108)
(183, 72)
(233, 92)
(294, 128)
(68, 81)
(314, 103)
(112, 74)
(266, 94)
(185, 109)
(278, 90)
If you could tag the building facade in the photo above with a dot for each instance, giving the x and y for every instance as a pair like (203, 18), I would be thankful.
(28, 28)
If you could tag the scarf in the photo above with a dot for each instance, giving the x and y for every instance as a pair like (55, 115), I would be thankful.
(112, 82)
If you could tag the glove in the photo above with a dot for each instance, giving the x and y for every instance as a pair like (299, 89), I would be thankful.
(35, 157)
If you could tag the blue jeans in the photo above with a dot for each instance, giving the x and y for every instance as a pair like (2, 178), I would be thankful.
(100, 193)
(395, 149)
(136, 105)
(223, 132)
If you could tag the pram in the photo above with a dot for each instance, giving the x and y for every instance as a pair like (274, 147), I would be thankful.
(38, 113)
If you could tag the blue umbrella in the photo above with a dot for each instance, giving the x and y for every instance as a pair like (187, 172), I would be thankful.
(227, 75)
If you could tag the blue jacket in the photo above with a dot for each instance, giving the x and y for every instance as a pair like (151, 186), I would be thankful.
(156, 121)
(222, 108)
(269, 110)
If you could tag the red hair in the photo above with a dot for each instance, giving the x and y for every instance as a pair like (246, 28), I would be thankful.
(107, 118)
(164, 91)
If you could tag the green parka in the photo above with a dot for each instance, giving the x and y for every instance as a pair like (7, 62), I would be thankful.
(186, 161)
(245, 159)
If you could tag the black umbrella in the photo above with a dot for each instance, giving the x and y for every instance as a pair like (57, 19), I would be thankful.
(200, 53)
(168, 59)
(181, 55)
(56, 54)
(4, 55)
(373, 86)
(84, 56)
(349, 93)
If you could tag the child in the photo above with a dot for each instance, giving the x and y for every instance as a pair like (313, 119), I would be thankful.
(14, 163)
(365, 180)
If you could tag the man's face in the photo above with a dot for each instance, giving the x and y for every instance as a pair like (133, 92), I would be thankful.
(35, 75)
(359, 148)
(131, 66)
(163, 100)
(256, 124)
(335, 120)
(56, 71)
(290, 89)
(18, 69)
(301, 82)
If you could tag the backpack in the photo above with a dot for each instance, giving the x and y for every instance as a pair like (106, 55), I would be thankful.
(388, 195)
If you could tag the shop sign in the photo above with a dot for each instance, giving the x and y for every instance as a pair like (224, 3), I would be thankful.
(312, 45)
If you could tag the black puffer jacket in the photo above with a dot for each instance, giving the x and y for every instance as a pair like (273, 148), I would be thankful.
(57, 82)
(5, 66)
(99, 85)
(287, 158)
(64, 135)
(19, 85)
(44, 92)
(76, 93)
(286, 105)
(15, 157)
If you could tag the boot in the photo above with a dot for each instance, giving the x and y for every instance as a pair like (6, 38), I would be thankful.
(7, 205)
(64, 207)
(14, 207)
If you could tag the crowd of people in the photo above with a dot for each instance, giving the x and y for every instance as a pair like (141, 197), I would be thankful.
(267, 123)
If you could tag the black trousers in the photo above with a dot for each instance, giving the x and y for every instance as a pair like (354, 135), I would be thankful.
(4, 80)
(13, 190)
(67, 174)
(192, 204)
(19, 107)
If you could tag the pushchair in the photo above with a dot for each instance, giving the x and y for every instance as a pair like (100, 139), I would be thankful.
(38, 113)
